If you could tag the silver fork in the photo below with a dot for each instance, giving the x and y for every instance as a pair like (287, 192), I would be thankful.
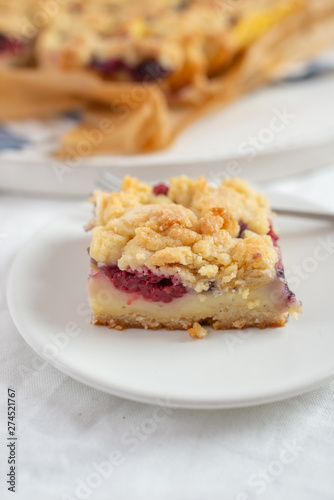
(112, 183)
(108, 181)
(304, 215)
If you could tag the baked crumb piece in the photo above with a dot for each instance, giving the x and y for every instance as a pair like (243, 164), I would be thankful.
(197, 331)
(193, 231)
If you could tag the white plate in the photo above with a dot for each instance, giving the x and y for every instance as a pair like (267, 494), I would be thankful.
(217, 143)
(47, 299)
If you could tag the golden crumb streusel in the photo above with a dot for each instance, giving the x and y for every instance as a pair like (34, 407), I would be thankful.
(168, 31)
(192, 231)
(197, 331)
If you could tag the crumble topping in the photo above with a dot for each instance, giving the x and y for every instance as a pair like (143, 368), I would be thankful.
(170, 32)
(192, 231)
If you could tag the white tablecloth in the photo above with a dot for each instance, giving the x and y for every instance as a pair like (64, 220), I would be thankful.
(75, 442)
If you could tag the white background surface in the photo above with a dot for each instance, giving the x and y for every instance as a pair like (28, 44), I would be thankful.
(65, 430)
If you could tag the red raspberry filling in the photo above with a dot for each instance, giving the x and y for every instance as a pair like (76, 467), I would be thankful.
(10, 45)
(160, 189)
(146, 71)
(279, 266)
(243, 226)
(147, 284)
(273, 235)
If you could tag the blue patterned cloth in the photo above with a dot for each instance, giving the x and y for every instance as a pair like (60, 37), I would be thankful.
(8, 140)
(309, 71)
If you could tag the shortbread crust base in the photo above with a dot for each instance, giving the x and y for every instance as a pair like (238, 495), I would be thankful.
(261, 321)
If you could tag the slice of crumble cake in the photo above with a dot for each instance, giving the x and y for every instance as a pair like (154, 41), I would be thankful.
(185, 255)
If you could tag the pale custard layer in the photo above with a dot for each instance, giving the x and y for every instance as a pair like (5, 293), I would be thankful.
(106, 299)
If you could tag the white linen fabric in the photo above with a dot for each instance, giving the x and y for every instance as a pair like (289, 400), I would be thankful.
(75, 442)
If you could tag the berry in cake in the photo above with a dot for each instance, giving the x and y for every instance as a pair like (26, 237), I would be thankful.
(16, 32)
